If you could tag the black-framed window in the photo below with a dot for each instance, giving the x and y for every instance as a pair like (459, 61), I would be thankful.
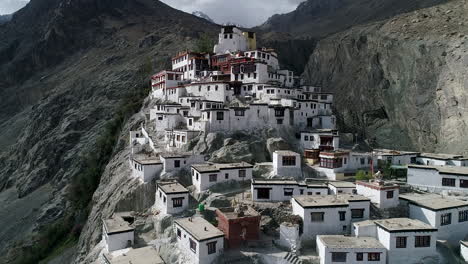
(357, 213)
(342, 215)
(279, 121)
(301, 191)
(389, 194)
(400, 242)
(242, 173)
(211, 247)
(279, 112)
(239, 112)
(338, 256)
(373, 256)
(213, 177)
(288, 191)
(219, 115)
(179, 233)
(359, 256)
(422, 241)
(289, 160)
(448, 182)
(177, 202)
(446, 219)
(463, 183)
(177, 163)
(226, 176)
(317, 216)
(463, 216)
(193, 245)
(263, 193)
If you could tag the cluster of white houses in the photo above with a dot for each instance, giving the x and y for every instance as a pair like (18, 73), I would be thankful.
(241, 87)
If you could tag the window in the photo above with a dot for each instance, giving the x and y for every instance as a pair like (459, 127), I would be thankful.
(177, 202)
(338, 256)
(196, 176)
(239, 112)
(422, 241)
(242, 173)
(288, 191)
(211, 247)
(448, 182)
(226, 176)
(279, 121)
(363, 161)
(357, 213)
(164, 199)
(177, 163)
(389, 194)
(213, 177)
(289, 161)
(301, 191)
(400, 242)
(179, 233)
(317, 217)
(463, 216)
(342, 215)
(463, 184)
(279, 112)
(306, 138)
(373, 256)
(359, 256)
(219, 115)
(263, 193)
(446, 219)
(193, 245)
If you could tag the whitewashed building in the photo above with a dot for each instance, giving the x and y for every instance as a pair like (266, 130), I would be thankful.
(208, 174)
(173, 162)
(199, 240)
(118, 232)
(437, 159)
(177, 138)
(448, 215)
(395, 157)
(341, 187)
(143, 255)
(321, 139)
(284, 190)
(406, 240)
(146, 168)
(351, 250)
(329, 214)
(287, 163)
(464, 250)
(341, 164)
(171, 197)
(437, 179)
(384, 195)
(231, 39)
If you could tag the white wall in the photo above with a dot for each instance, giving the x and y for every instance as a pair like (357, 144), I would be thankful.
(145, 172)
(283, 170)
(325, 254)
(164, 202)
(118, 241)
(277, 192)
(431, 181)
(464, 252)
(203, 182)
(201, 255)
(379, 196)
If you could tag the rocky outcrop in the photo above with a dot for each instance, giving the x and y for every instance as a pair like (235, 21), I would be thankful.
(400, 83)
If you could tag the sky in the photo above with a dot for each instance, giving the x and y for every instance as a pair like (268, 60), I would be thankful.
(247, 13)
(10, 6)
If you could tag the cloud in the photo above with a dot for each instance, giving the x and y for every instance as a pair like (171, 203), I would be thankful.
(11, 6)
(247, 13)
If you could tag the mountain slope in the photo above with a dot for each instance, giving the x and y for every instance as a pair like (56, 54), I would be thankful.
(402, 82)
(200, 14)
(65, 69)
(318, 18)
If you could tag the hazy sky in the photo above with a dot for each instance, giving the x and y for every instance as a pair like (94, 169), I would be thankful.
(243, 12)
(246, 13)
(10, 6)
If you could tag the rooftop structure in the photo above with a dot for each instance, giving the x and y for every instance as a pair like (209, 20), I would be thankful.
(433, 201)
(339, 241)
(199, 228)
(212, 167)
(172, 187)
(403, 225)
(328, 200)
(144, 255)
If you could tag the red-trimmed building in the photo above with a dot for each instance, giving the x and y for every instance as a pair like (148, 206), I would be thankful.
(239, 225)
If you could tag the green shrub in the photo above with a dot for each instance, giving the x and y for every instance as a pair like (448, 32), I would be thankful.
(362, 176)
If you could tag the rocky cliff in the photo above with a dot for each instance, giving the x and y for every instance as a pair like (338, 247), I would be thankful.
(66, 67)
(401, 82)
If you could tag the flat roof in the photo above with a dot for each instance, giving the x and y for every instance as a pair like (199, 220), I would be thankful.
(392, 152)
(379, 186)
(464, 243)
(144, 255)
(174, 155)
(433, 202)
(148, 161)
(212, 167)
(199, 228)
(441, 156)
(236, 213)
(342, 184)
(403, 225)
(286, 152)
(172, 187)
(454, 170)
(340, 241)
(116, 224)
(317, 201)
(288, 182)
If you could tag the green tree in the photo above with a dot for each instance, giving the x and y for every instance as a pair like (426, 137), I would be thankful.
(204, 43)
(362, 176)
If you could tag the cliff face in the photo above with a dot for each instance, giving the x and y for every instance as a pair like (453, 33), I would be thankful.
(401, 83)
(65, 67)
